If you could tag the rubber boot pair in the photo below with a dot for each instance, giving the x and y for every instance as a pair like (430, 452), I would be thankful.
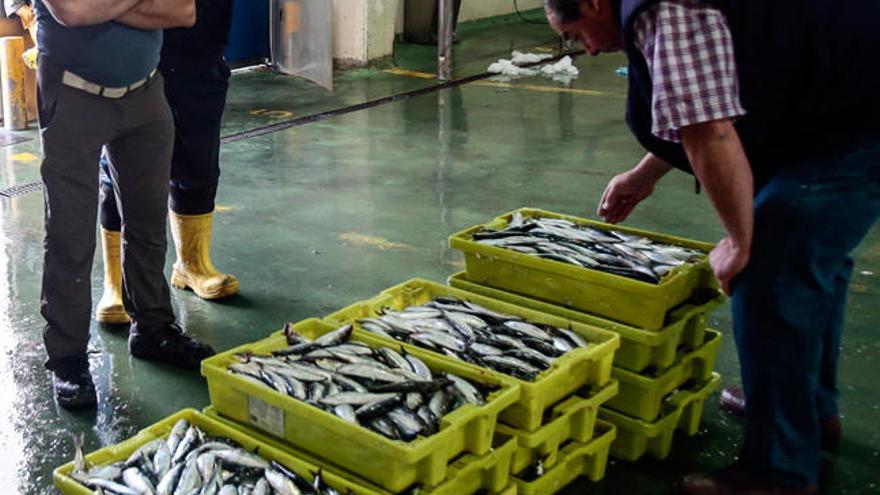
(193, 269)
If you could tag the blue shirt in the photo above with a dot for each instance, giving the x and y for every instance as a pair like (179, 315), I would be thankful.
(109, 54)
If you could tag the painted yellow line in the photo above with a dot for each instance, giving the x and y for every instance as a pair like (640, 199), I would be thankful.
(23, 157)
(222, 208)
(372, 241)
(546, 89)
(507, 85)
(409, 73)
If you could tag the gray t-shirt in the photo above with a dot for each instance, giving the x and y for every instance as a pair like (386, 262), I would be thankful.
(109, 54)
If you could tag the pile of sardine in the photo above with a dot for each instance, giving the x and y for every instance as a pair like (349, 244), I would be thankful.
(392, 393)
(188, 462)
(477, 335)
(609, 251)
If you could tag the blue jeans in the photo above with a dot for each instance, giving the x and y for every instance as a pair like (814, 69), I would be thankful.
(788, 305)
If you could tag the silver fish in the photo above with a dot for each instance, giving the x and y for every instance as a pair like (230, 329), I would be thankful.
(281, 484)
(407, 423)
(370, 373)
(188, 443)
(262, 487)
(169, 480)
(111, 486)
(162, 460)
(189, 479)
(393, 359)
(177, 433)
(354, 398)
(335, 337)
(468, 392)
(136, 480)
(419, 367)
(241, 458)
(346, 412)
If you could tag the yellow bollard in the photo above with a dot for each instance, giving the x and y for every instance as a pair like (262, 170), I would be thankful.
(12, 83)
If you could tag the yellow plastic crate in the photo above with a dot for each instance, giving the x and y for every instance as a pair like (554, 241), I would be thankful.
(510, 490)
(393, 465)
(572, 419)
(581, 367)
(639, 349)
(469, 474)
(611, 296)
(466, 475)
(635, 437)
(213, 427)
(575, 459)
(642, 397)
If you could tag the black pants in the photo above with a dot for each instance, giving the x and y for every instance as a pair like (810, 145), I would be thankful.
(197, 96)
(136, 132)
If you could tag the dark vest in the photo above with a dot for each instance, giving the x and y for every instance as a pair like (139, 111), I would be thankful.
(809, 78)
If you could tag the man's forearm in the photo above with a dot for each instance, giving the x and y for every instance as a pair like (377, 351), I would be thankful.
(653, 167)
(74, 13)
(720, 163)
(160, 14)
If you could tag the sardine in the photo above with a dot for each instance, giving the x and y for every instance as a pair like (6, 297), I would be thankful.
(468, 392)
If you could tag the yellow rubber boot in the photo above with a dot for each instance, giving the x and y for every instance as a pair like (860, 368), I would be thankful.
(193, 269)
(110, 309)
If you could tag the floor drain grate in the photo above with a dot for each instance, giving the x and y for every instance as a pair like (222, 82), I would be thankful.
(15, 191)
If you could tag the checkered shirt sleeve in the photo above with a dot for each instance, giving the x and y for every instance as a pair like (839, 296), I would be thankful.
(689, 51)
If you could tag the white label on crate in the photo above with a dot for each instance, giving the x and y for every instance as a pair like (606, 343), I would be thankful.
(266, 417)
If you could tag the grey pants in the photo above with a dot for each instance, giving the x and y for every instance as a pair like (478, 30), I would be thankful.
(138, 132)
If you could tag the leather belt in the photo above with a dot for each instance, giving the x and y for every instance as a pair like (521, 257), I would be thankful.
(74, 81)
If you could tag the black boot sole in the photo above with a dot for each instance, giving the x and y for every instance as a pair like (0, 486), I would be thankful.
(78, 403)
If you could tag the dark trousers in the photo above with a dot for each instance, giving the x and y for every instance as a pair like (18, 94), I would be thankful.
(788, 305)
(137, 132)
(197, 97)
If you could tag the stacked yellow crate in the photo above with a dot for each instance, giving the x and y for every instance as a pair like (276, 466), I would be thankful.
(555, 421)
(665, 363)
(435, 464)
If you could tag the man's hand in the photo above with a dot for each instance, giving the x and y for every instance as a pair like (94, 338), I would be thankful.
(26, 14)
(628, 189)
(75, 13)
(160, 14)
(727, 261)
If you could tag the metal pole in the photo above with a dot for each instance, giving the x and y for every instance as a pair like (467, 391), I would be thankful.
(444, 40)
(12, 75)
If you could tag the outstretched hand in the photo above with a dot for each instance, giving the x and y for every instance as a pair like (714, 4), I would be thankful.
(727, 261)
(623, 193)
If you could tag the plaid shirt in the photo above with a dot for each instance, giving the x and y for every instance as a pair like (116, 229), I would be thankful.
(689, 51)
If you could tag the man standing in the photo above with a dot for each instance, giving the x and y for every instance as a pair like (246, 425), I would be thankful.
(97, 86)
(196, 78)
(772, 106)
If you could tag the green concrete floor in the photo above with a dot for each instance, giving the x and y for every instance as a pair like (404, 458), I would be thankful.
(410, 173)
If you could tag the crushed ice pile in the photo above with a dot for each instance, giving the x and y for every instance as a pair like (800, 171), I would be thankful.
(562, 70)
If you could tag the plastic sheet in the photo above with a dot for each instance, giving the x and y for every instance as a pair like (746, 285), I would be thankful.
(301, 33)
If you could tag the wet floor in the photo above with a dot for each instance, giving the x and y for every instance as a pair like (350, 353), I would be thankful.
(315, 217)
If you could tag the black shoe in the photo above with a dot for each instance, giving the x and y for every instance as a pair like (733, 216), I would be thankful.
(169, 345)
(733, 399)
(72, 382)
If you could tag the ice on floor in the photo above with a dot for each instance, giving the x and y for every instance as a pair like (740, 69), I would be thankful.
(506, 69)
(561, 68)
(521, 58)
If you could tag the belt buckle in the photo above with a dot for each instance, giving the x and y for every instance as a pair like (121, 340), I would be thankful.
(113, 92)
